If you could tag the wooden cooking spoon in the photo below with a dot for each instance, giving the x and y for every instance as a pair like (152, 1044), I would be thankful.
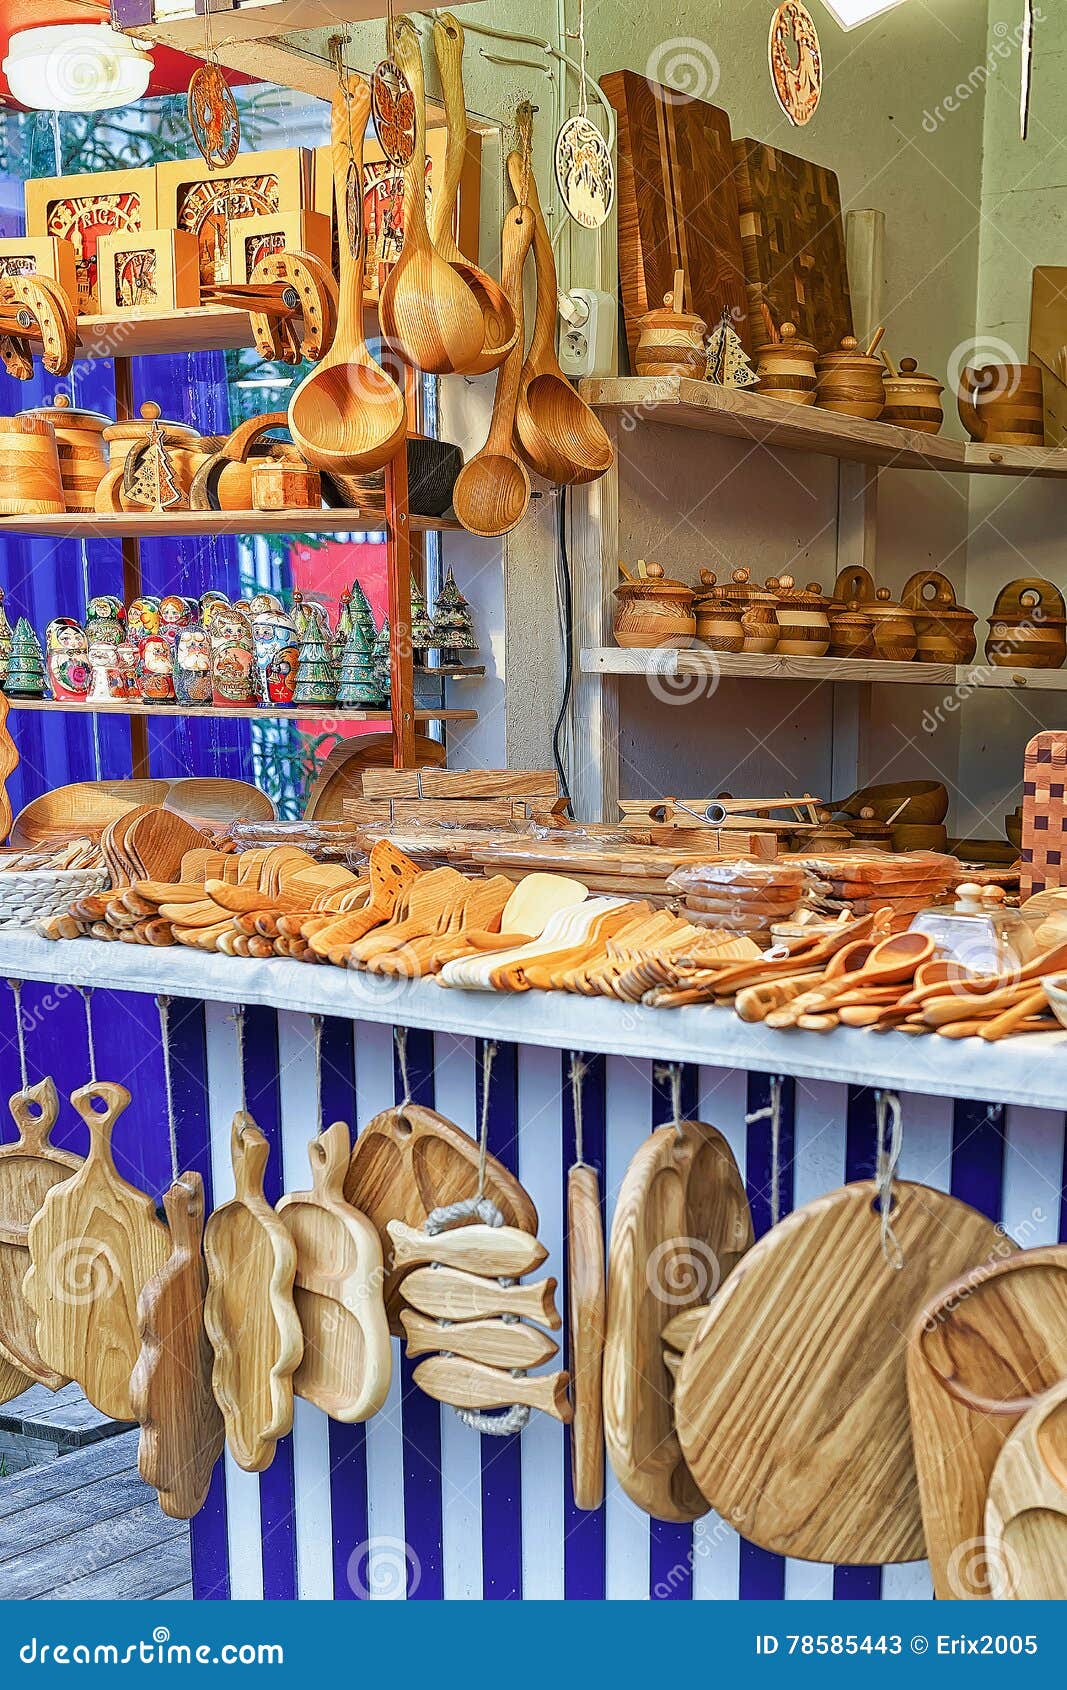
(500, 328)
(560, 437)
(348, 414)
(428, 312)
(492, 490)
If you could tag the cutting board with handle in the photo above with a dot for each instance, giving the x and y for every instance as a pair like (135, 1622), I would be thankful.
(982, 1352)
(94, 1244)
(249, 1310)
(681, 1224)
(348, 1359)
(170, 1389)
(1026, 1510)
(470, 1385)
(791, 1402)
(408, 1161)
(29, 1168)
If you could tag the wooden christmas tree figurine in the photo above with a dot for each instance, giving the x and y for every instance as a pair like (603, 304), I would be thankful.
(727, 364)
(343, 628)
(357, 685)
(316, 677)
(5, 640)
(149, 479)
(453, 631)
(382, 670)
(421, 621)
(360, 614)
(25, 666)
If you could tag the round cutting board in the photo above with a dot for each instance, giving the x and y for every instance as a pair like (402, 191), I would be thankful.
(791, 1400)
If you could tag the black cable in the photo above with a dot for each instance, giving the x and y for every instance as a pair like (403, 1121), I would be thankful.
(563, 588)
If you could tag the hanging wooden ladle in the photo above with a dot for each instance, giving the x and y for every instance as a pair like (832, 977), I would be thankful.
(500, 329)
(348, 415)
(559, 436)
(428, 312)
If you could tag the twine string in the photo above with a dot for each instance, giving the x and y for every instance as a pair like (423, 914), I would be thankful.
(20, 1032)
(163, 1005)
(772, 1112)
(239, 1028)
(579, 1069)
(400, 1039)
(316, 1022)
(87, 998)
(670, 1073)
(488, 1058)
(889, 1120)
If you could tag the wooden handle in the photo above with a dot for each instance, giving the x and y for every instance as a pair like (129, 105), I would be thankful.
(329, 1156)
(100, 1122)
(1010, 1019)
(913, 597)
(498, 1252)
(1046, 597)
(448, 50)
(450, 1295)
(467, 1384)
(407, 55)
(249, 1151)
(245, 435)
(542, 353)
(517, 236)
(348, 120)
(184, 1206)
(35, 1112)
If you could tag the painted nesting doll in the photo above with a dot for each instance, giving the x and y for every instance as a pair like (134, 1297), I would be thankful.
(175, 613)
(192, 666)
(125, 679)
(264, 604)
(105, 620)
(235, 679)
(142, 619)
(208, 600)
(277, 653)
(155, 670)
(66, 660)
(103, 664)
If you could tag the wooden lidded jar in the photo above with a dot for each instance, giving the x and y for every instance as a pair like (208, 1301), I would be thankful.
(654, 610)
(1028, 627)
(944, 629)
(851, 630)
(758, 611)
(185, 450)
(786, 368)
(80, 448)
(718, 621)
(913, 400)
(850, 381)
(895, 639)
(673, 341)
(803, 625)
(30, 480)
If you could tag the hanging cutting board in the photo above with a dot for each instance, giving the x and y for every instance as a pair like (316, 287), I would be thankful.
(681, 1223)
(979, 1355)
(1026, 1512)
(793, 244)
(29, 1169)
(170, 1390)
(586, 1327)
(1048, 346)
(677, 205)
(409, 1161)
(94, 1244)
(249, 1310)
(348, 1360)
(791, 1401)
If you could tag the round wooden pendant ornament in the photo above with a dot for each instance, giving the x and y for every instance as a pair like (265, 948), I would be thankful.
(213, 116)
(796, 61)
(585, 174)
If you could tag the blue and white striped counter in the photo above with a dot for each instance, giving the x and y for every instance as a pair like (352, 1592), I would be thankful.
(413, 1504)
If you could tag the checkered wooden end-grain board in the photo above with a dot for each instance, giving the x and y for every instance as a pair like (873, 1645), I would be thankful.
(1044, 854)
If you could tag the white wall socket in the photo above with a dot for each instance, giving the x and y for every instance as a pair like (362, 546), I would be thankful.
(587, 337)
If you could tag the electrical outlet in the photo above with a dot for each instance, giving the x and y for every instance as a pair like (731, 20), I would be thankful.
(587, 336)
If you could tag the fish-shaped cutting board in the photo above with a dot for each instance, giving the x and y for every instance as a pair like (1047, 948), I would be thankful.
(29, 1169)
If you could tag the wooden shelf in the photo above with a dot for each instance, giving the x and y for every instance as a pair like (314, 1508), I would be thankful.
(239, 712)
(677, 402)
(81, 525)
(136, 334)
(698, 661)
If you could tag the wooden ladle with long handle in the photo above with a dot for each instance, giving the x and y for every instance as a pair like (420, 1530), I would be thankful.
(492, 490)
(348, 414)
(560, 437)
(429, 313)
(500, 329)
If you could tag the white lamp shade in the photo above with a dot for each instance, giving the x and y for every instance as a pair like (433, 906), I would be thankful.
(75, 67)
(849, 13)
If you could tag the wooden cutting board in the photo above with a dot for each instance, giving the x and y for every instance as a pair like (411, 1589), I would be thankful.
(29, 1169)
(1044, 848)
(586, 1327)
(793, 244)
(677, 205)
(348, 1358)
(94, 1244)
(1026, 1512)
(981, 1353)
(249, 1310)
(791, 1401)
(408, 1161)
(681, 1224)
(12, 1381)
(181, 1425)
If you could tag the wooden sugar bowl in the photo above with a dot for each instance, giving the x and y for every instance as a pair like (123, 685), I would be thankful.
(718, 622)
(850, 381)
(653, 610)
(895, 639)
(184, 452)
(673, 341)
(1028, 627)
(851, 630)
(786, 368)
(1003, 404)
(758, 610)
(944, 630)
(79, 447)
(803, 625)
(913, 400)
(31, 483)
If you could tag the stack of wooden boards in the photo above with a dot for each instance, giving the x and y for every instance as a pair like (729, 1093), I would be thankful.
(858, 882)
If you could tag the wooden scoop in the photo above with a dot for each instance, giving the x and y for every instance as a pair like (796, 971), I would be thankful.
(492, 490)
(560, 437)
(348, 414)
(500, 328)
(427, 310)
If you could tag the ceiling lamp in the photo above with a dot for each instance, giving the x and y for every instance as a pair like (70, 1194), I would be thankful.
(849, 13)
(75, 67)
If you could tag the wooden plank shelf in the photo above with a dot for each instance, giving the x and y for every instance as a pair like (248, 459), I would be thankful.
(667, 664)
(677, 402)
(238, 712)
(148, 525)
(139, 334)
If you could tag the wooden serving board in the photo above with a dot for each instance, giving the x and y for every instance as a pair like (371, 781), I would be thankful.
(249, 1310)
(409, 1161)
(1044, 847)
(170, 1390)
(1026, 1511)
(94, 1244)
(981, 1353)
(587, 1299)
(793, 244)
(347, 1364)
(681, 1224)
(791, 1401)
(12, 1380)
(677, 205)
(29, 1169)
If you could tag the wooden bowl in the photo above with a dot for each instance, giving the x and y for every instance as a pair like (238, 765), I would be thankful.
(1056, 991)
(217, 801)
(82, 809)
(911, 837)
(928, 801)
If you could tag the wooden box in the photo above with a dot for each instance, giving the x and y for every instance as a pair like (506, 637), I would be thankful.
(80, 209)
(253, 238)
(158, 270)
(207, 203)
(40, 255)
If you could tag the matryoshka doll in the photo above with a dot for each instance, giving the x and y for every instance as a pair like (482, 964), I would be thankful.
(233, 661)
(105, 620)
(264, 604)
(192, 666)
(104, 664)
(155, 669)
(277, 655)
(207, 600)
(142, 619)
(67, 660)
(125, 679)
(175, 613)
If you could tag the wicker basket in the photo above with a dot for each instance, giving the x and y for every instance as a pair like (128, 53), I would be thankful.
(29, 895)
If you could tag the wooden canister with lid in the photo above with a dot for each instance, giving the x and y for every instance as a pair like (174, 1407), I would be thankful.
(850, 381)
(653, 610)
(30, 480)
(79, 447)
(786, 368)
(803, 625)
(718, 620)
(944, 629)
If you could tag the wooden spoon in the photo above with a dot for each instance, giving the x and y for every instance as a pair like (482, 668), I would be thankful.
(428, 311)
(492, 490)
(500, 328)
(348, 414)
(559, 436)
